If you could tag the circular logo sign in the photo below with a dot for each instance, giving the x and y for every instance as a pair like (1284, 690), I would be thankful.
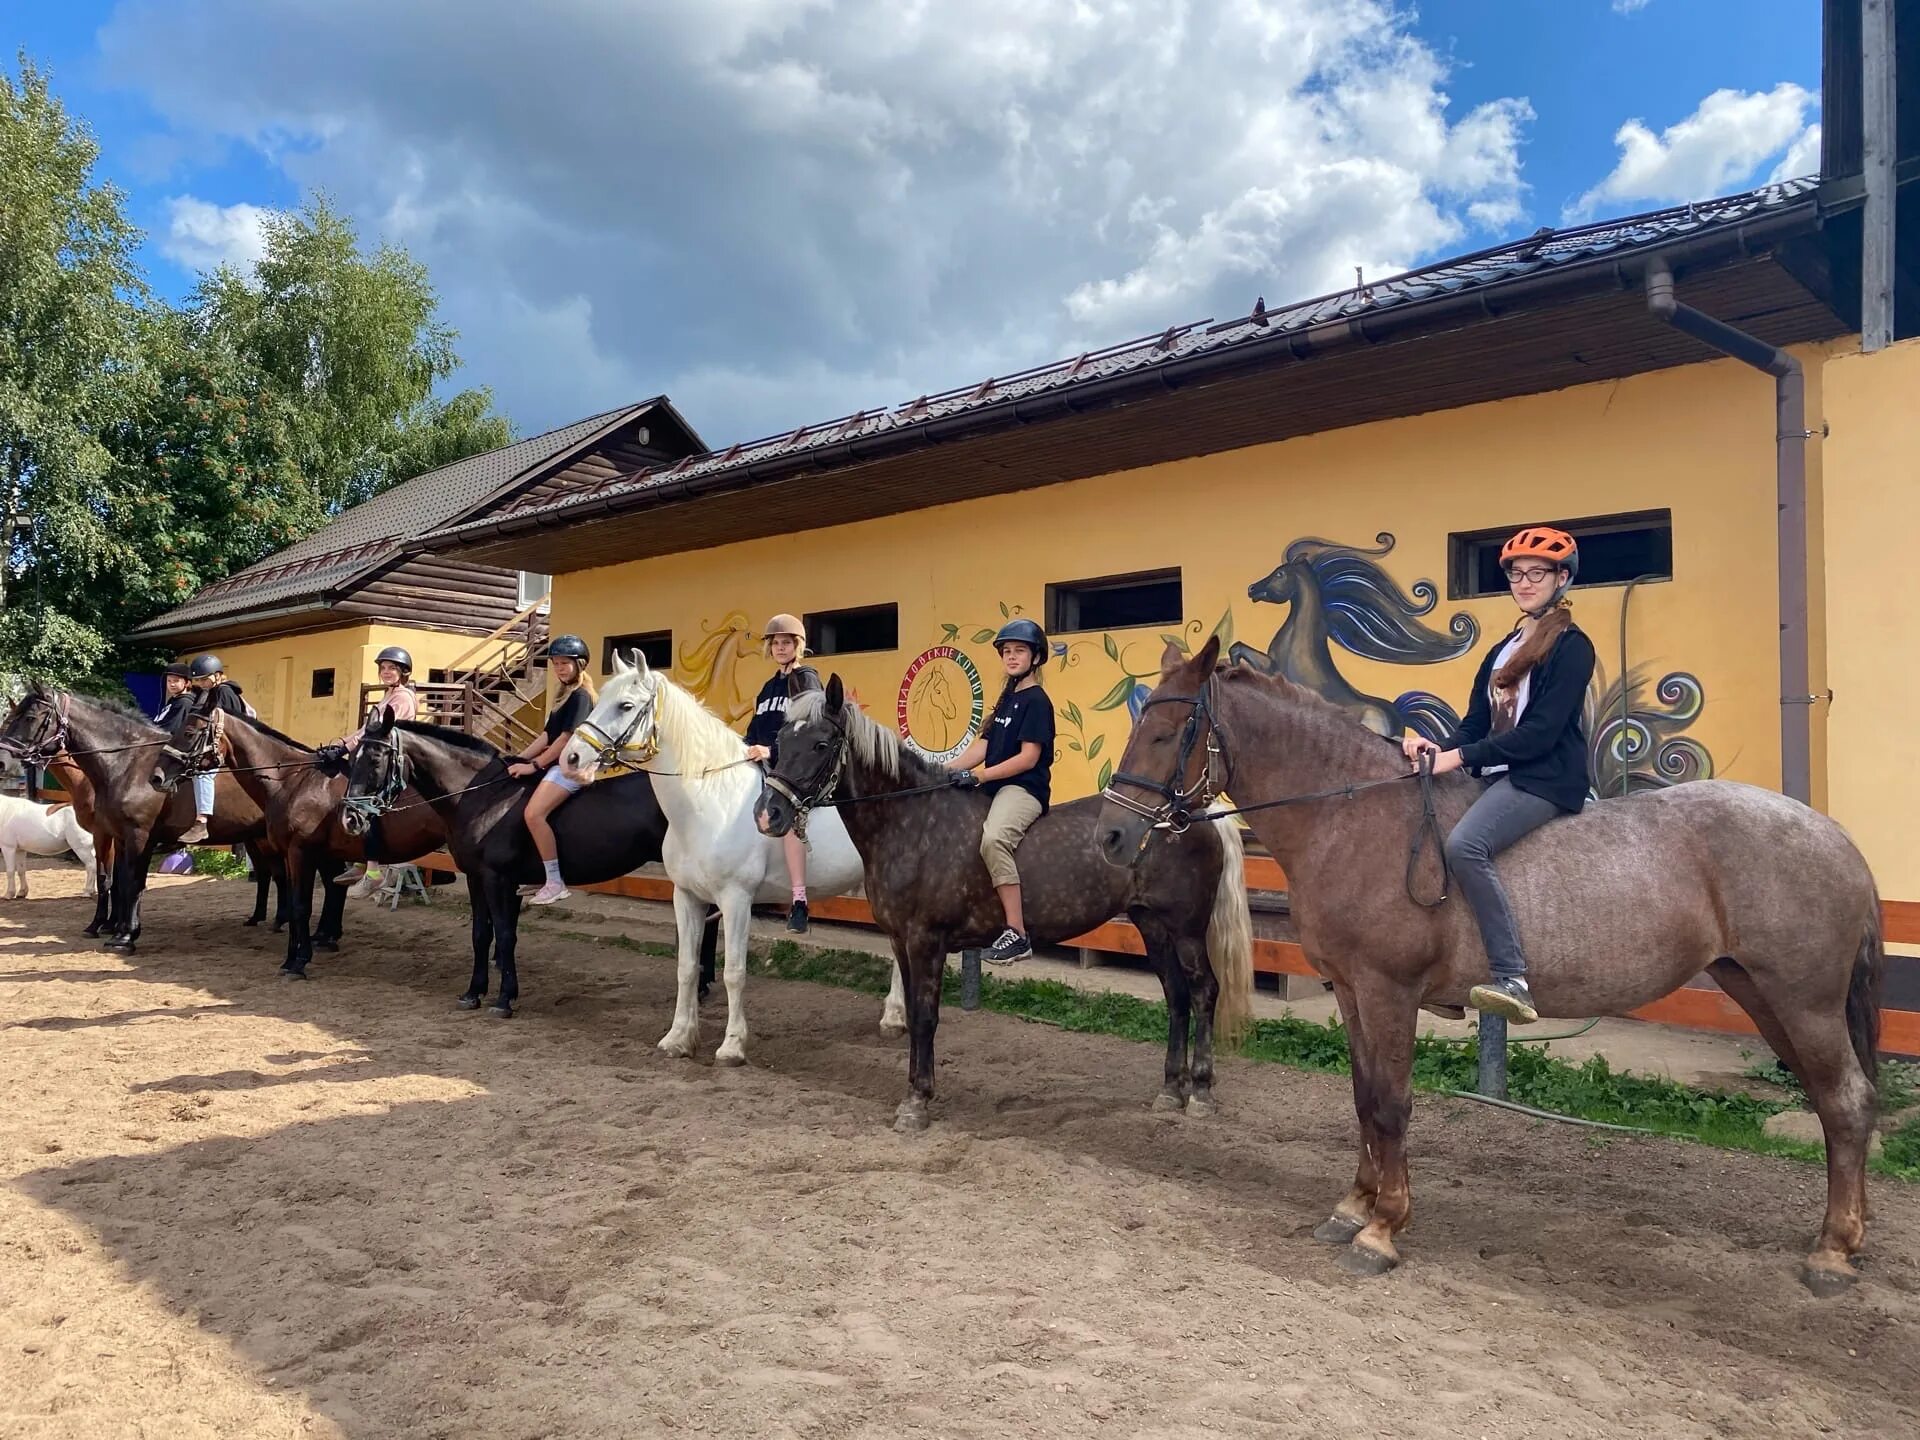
(941, 703)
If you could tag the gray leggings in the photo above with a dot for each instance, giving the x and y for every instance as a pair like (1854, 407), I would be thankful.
(1501, 816)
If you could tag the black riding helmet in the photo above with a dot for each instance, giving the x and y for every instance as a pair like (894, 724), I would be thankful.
(178, 670)
(1027, 633)
(395, 655)
(568, 647)
(203, 666)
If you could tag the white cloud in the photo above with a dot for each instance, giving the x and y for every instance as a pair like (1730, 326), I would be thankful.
(201, 235)
(1802, 157)
(1714, 150)
(788, 210)
(1628, 7)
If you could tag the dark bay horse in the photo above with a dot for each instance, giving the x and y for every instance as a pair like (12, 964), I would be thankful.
(931, 893)
(1618, 906)
(605, 831)
(300, 791)
(115, 750)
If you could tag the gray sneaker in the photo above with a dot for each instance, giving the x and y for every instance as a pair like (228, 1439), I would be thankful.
(1509, 997)
(1009, 947)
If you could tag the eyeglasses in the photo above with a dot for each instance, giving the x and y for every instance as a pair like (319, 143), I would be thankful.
(1533, 575)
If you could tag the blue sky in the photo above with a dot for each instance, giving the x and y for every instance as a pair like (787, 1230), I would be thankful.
(781, 210)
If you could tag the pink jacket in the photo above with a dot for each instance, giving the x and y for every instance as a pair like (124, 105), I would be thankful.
(406, 706)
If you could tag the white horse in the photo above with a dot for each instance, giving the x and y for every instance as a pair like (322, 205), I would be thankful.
(713, 851)
(27, 828)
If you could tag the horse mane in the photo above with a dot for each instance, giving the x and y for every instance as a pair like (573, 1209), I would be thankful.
(118, 709)
(871, 743)
(273, 734)
(702, 737)
(1366, 611)
(1323, 717)
(458, 739)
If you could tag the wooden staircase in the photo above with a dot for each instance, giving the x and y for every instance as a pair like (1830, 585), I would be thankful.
(496, 690)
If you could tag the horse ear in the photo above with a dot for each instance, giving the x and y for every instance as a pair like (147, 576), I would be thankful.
(620, 665)
(387, 717)
(1171, 659)
(1209, 655)
(640, 662)
(836, 694)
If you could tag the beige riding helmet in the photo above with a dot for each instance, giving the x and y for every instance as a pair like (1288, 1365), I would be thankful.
(784, 624)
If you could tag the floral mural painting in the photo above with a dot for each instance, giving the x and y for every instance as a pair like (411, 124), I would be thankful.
(1338, 594)
(1638, 745)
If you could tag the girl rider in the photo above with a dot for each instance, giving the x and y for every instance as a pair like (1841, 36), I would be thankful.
(1523, 738)
(395, 668)
(567, 657)
(1017, 748)
(217, 692)
(173, 681)
(785, 641)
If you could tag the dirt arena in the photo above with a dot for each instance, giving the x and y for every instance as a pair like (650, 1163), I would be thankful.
(239, 1207)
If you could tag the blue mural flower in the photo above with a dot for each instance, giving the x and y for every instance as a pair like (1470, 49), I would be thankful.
(1137, 700)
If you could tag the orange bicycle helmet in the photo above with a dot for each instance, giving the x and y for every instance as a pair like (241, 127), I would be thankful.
(1543, 542)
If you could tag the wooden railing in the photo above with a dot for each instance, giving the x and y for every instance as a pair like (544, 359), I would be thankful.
(510, 661)
(465, 708)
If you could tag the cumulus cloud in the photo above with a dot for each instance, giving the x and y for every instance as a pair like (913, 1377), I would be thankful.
(778, 210)
(1628, 7)
(201, 235)
(1802, 157)
(1717, 148)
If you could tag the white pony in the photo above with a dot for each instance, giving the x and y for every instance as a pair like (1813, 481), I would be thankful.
(714, 852)
(27, 828)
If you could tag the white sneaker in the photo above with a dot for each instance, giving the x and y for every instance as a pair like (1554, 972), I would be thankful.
(363, 887)
(550, 893)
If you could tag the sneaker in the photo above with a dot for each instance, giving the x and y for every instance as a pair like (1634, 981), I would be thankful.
(1509, 997)
(797, 918)
(1011, 946)
(197, 835)
(550, 893)
(363, 887)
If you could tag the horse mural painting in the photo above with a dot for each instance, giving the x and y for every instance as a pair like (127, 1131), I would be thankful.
(1619, 906)
(1338, 594)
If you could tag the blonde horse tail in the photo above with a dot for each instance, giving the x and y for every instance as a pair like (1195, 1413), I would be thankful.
(1230, 939)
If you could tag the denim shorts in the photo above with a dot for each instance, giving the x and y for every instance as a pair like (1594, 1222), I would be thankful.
(557, 777)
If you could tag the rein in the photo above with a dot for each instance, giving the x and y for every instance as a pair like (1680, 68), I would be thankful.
(41, 751)
(358, 812)
(1178, 811)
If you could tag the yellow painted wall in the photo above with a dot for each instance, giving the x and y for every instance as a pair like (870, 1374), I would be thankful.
(1872, 493)
(1697, 441)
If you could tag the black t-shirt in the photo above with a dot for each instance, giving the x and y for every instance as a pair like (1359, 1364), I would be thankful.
(1024, 715)
(568, 714)
(770, 705)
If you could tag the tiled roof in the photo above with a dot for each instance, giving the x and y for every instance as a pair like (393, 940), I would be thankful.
(371, 533)
(1544, 251)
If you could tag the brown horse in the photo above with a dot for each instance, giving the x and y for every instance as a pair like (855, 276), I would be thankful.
(300, 791)
(1618, 907)
(115, 749)
(931, 892)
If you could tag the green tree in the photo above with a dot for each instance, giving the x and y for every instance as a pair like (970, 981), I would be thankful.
(68, 291)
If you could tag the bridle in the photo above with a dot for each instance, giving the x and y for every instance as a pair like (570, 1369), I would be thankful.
(1180, 807)
(43, 748)
(201, 754)
(618, 750)
(358, 812)
(822, 796)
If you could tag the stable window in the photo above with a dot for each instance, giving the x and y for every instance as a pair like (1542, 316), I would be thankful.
(849, 632)
(322, 684)
(533, 588)
(1115, 602)
(656, 645)
(1614, 549)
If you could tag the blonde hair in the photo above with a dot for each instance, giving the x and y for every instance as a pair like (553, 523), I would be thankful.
(583, 680)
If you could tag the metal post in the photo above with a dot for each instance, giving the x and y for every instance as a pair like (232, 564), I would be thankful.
(969, 979)
(1493, 1056)
(1879, 136)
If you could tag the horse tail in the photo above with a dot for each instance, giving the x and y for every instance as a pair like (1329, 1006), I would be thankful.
(1230, 938)
(1863, 995)
(1428, 714)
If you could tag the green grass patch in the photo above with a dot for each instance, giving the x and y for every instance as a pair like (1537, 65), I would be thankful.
(223, 864)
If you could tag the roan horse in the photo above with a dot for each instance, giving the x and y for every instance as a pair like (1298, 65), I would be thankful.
(605, 831)
(300, 790)
(1618, 907)
(920, 842)
(116, 750)
(713, 852)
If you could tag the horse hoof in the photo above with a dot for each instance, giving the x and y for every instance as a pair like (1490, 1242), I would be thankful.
(1365, 1262)
(92, 932)
(1336, 1230)
(469, 1002)
(291, 972)
(893, 1029)
(676, 1046)
(1201, 1106)
(1165, 1101)
(1826, 1283)
(500, 1011)
(326, 942)
(724, 1056)
(909, 1119)
(251, 921)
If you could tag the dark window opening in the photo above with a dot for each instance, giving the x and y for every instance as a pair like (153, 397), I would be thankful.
(656, 645)
(1613, 550)
(322, 684)
(1115, 602)
(849, 632)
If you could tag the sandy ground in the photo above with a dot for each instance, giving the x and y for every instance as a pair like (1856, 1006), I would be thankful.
(234, 1206)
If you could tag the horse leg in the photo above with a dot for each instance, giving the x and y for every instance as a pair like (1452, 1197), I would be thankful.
(262, 880)
(736, 911)
(1824, 1059)
(1173, 986)
(709, 952)
(1392, 1016)
(505, 897)
(1198, 978)
(299, 938)
(893, 1013)
(925, 961)
(689, 915)
(1738, 984)
(129, 879)
(482, 942)
(9, 858)
(333, 904)
(1355, 1209)
(103, 852)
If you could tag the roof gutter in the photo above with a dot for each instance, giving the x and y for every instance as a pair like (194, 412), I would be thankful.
(1790, 488)
(1577, 279)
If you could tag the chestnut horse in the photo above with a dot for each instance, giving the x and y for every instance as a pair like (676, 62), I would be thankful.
(1618, 906)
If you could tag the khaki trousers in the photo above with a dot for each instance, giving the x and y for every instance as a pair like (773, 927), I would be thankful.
(1013, 812)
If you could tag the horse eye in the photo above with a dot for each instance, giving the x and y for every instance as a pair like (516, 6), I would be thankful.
(819, 744)
(626, 704)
